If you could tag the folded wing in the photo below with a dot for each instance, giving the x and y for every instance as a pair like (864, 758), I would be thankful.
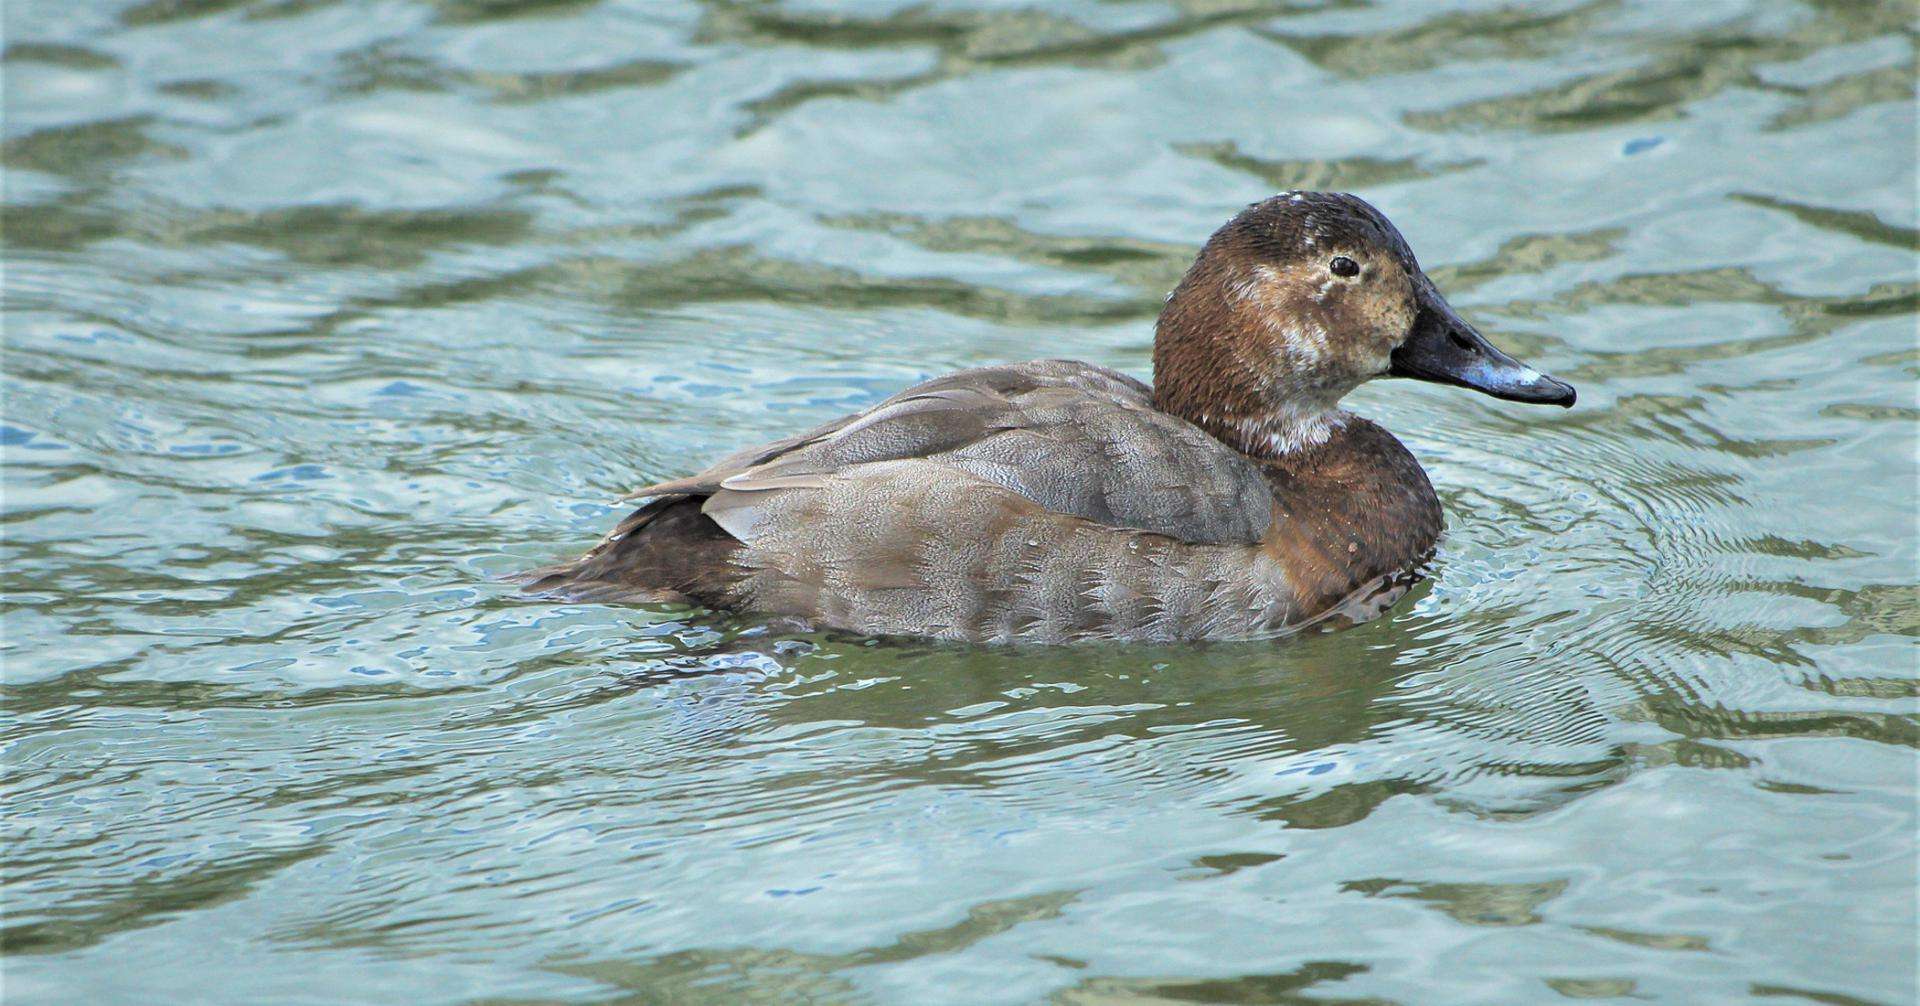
(1073, 439)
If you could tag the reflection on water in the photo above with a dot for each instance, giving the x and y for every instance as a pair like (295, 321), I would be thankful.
(308, 339)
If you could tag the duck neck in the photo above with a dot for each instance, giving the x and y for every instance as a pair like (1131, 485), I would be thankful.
(1227, 386)
(1276, 434)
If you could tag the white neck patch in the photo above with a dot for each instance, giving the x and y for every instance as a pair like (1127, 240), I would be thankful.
(1283, 431)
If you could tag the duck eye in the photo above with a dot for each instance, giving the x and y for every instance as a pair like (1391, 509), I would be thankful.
(1344, 266)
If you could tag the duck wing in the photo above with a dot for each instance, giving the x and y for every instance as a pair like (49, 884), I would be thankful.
(1043, 501)
(1072, 438)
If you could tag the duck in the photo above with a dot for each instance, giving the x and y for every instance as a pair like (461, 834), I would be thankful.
(1056, 501)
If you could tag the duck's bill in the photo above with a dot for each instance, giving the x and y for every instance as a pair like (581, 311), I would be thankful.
(1446, 350)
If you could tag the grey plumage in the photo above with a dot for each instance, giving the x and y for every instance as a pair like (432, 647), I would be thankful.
(1075, 439)
(1043, 501)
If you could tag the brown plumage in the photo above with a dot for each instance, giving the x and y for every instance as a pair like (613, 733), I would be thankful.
(1054, 500)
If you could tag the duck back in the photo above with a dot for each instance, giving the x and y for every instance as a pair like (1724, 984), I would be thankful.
(1040, 502)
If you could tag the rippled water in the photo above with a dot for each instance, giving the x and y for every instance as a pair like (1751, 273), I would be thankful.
(319, 315)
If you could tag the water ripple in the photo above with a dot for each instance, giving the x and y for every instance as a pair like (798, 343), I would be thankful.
(321, 315)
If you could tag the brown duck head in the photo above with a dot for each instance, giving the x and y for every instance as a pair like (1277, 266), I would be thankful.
(1297, 301)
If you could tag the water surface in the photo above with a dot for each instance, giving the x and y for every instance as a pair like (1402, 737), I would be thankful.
(319, 315)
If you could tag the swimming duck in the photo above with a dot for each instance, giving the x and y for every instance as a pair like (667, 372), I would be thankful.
(1056, 500)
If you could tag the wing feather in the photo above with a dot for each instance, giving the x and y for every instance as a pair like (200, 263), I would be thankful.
(1075, 439)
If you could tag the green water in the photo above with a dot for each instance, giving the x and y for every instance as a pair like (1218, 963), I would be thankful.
(319, 315)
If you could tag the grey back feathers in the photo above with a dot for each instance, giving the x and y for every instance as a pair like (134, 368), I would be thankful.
(1044, 501)
(1071, 438)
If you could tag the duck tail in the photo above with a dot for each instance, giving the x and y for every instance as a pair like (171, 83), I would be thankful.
(664, 552)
